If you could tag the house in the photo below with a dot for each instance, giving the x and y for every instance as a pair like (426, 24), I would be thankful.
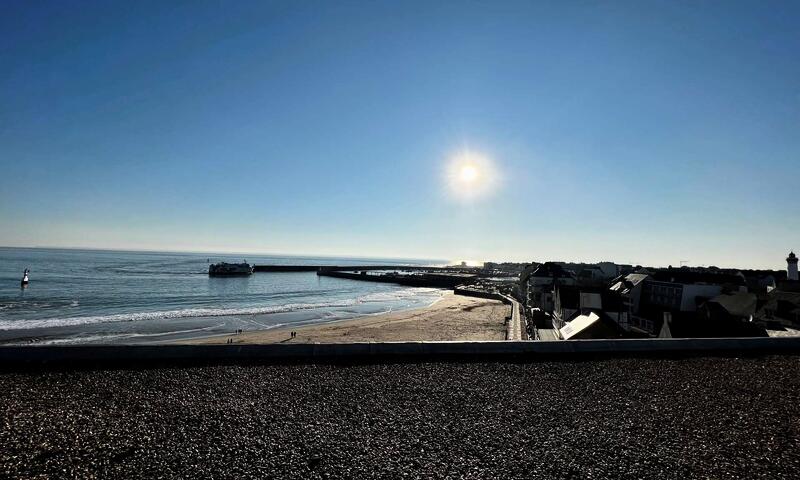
(620, 302)
(672, 300)
(590, 325)
(573, 301)
(780, 308)
(595, 274)
(569, 300)
(566, 304)
(683, 290)
(726, 315)
(763, 281)
(738, 306)
(731, 315)
(630, 287)
(537, 286)
(592, 275)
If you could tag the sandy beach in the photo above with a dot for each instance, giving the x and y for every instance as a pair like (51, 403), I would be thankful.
(454, 317)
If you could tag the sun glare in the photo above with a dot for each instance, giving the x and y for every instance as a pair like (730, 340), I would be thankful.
(470, 175)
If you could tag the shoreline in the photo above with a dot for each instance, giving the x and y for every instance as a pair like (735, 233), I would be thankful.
(182, 329)
(450, 317)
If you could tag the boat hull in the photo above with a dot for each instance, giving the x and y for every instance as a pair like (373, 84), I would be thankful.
(243, 274)
(230, 270)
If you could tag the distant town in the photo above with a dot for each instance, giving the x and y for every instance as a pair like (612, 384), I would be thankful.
(567, 301)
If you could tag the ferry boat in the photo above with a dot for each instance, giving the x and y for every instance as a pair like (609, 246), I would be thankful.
(223, 269)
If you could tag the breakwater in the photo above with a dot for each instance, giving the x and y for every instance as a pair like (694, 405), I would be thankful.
(347, 268)
(407, 275)
(435, 280)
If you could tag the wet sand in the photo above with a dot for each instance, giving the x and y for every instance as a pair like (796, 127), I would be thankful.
(454, 317)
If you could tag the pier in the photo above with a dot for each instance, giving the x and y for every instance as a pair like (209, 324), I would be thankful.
(434, 280)
(345, 268)
(408, 275)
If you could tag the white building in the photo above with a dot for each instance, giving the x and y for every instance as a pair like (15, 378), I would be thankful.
(791, 266)
(538, 284)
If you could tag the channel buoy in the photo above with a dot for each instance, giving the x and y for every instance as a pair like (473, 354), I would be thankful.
(24, 280)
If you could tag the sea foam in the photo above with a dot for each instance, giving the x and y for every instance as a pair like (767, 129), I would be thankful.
(6, 325)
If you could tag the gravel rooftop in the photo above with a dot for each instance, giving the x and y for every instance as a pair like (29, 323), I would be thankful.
(614, 418)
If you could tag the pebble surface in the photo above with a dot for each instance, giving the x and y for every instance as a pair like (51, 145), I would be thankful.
(612, 418)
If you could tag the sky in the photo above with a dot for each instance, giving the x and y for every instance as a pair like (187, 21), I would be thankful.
(638, 132)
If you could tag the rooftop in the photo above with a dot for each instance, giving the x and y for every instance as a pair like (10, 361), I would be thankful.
(625, 283)
(685, 276)
(653, 418)
(550, 269)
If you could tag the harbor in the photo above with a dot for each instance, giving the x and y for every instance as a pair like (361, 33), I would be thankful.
(160, 298)
(105, 297)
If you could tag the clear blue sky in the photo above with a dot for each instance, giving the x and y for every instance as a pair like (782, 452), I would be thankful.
(643, 132)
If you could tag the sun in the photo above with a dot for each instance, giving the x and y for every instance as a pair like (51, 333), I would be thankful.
(470, 175)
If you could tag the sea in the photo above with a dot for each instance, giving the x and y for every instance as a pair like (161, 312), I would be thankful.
(122, 297)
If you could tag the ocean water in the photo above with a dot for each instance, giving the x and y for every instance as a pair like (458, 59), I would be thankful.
(90, 296)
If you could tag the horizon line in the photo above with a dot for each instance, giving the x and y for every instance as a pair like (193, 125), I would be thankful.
(364, 257)
(265, 254)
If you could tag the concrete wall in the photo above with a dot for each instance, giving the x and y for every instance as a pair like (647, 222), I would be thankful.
(314, 268)
(422, 280)
(139, 355)
(474, 293)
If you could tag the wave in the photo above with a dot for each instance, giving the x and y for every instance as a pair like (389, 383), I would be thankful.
(164, 315)
(105, 338)
(215, 312)
(38, 305)
(400, 294)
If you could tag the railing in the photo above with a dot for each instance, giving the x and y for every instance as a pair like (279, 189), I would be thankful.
(558, 323)
(514, 324)
(641, 324)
